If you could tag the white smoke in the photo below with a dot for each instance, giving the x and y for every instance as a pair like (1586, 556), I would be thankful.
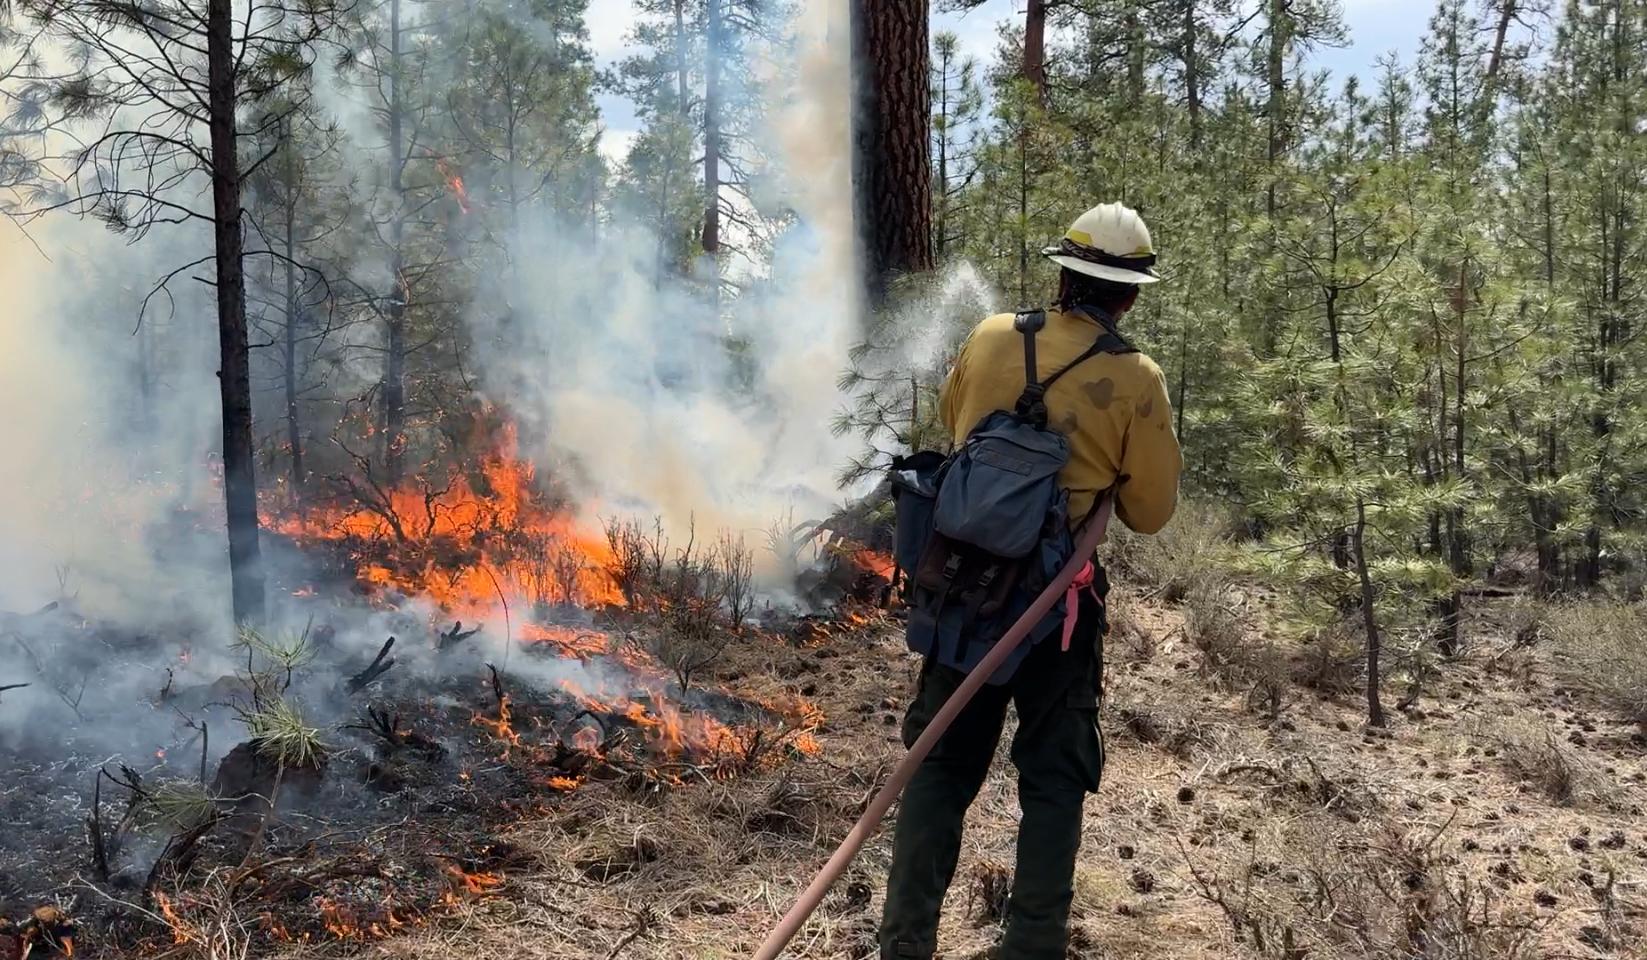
(630, 383)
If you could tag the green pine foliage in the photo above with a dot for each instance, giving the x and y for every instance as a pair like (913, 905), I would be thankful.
(1402, 313)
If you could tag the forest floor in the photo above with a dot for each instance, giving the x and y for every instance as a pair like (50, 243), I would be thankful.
(1498, 816)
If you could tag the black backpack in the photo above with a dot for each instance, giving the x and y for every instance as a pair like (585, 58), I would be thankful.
(980, 533)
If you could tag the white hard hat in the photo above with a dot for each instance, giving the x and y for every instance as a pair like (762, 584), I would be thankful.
(1110, 242)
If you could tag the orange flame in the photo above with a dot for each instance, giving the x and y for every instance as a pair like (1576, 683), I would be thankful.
(473, 884)
(454, 181)
(876, 562)
(180, 930)
(503, 727)
(464, 546)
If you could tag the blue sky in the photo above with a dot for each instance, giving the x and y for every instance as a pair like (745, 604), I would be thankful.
(1376, 27)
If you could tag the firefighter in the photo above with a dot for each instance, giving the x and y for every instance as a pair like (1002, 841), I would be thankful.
(1115, 412)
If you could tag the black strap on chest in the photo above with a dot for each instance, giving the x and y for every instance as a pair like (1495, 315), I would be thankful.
(1032, 403)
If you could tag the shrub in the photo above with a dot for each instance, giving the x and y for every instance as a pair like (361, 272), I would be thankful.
(1173, 561)
(1214, 627)
(691, 600)
(1532, 753)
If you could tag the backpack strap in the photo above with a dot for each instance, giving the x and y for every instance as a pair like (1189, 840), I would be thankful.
(1032, 402)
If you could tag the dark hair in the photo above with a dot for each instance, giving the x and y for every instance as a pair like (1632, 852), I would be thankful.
(1077, 289)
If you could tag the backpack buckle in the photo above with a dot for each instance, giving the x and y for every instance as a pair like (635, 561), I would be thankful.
(1032, 402)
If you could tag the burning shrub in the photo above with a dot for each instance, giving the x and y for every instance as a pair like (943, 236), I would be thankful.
(631, 551)
(692, 600)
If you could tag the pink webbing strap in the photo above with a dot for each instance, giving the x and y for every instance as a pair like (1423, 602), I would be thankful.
(1072, 599)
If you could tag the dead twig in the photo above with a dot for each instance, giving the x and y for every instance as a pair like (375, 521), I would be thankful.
(643, 923)
(377, 668)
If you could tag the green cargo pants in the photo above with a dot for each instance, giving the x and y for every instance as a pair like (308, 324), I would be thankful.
(1059, 755)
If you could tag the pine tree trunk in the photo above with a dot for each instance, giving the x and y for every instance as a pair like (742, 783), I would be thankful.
(1135, 54)
(234, 376)
(1507, 10)
(712, 134)
(893, 168)
(684, 90)
(294, 431)
(1035, 49)
(1280, 29)
(1369, 618)
(394, 364)
(940, 187)
(1192, 74)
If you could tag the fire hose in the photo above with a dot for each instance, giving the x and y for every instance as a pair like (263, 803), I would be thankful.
(870, 820)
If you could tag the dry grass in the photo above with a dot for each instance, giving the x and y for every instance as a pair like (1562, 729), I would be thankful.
(1532, 753)
(1602, 649)
(1171, 563)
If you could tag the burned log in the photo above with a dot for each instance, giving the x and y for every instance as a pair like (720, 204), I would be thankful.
(377, 668)
(457, 635)
(393, 737)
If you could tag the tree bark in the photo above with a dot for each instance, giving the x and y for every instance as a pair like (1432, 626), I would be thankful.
(394, 363)
(234, 376)
(1506, 15)
(1280, 30)
(1035, 49)
(1192, 73)
(892, 169)
(1369, 619)
(1135, 54)
(294, 431)
(712, 133)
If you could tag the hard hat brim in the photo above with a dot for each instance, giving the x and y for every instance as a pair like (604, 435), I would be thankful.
(1102, 272)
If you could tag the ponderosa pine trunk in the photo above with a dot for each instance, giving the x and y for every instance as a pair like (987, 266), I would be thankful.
(234, 374)
(1192, 73)
(1280, 30)
(1035, 49)
(892, 170)
(712, 134)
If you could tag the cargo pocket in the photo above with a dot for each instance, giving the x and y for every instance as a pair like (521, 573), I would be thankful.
(1083, 699)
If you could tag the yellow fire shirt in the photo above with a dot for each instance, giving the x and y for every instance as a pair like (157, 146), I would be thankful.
(1113, 408)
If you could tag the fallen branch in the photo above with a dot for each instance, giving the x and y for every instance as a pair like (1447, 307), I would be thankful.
(643, 923)
(12, 686)
(455, 636)
(497, 687)
(377, 668)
